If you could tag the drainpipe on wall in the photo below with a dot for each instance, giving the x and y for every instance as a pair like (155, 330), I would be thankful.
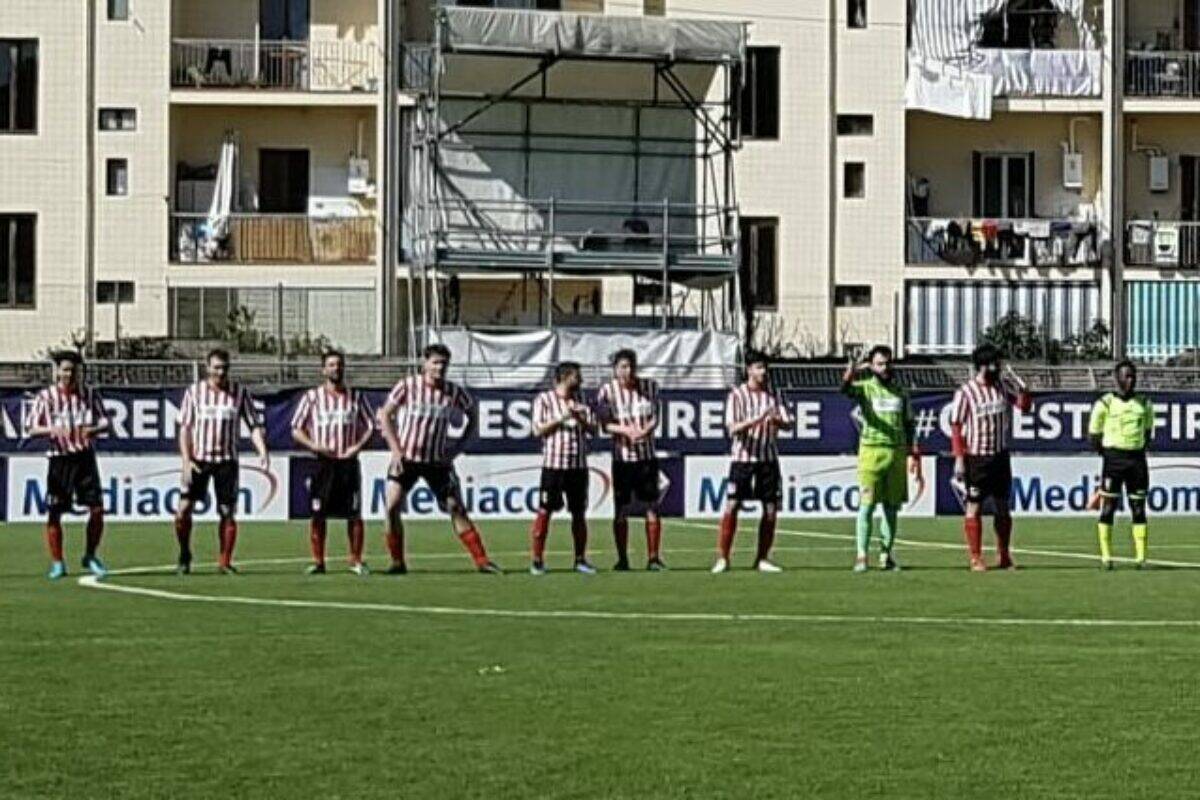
(89, 221)
(832, 244)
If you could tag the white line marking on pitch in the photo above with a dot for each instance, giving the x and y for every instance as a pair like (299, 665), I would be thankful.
(954, 546)
(90, 582)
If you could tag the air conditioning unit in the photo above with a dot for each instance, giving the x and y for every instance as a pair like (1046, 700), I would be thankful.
(1160, 174)
(1166, 245)
(359, 177)
(1073, 171)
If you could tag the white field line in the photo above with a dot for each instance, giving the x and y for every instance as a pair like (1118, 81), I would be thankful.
(955, 546)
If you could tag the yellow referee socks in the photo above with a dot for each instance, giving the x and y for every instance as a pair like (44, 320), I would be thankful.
(1140, 533)
(1105, 531)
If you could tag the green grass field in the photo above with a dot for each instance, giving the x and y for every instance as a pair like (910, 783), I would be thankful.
(841, 686)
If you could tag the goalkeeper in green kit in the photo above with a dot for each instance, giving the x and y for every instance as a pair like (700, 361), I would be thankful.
(886, 442)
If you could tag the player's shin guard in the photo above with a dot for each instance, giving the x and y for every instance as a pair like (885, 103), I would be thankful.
(890, 527)
(1003, 527)
(537, 535)
(1140, 535)
(973, 533)
(95, 531)
(357, 536)
(653, 537)
(54, 540)
(316, 539)
(229, 532)
(1104, 532)
(183, 535)
(474, 545)
(766, 536)
(579, 535)
(862, 528)
(726, 533)
(621, 537)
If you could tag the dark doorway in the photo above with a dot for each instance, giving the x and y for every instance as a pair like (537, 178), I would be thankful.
(281, 20)
(283, 181)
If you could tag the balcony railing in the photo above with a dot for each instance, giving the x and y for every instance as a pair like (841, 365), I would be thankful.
(314, 66)
(1162, 74)
(1002, 242)
(273, 239)
(576, 234)
(1158, 243)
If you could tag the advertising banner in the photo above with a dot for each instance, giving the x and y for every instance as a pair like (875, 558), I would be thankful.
(692, 422)
(813, 486)
(1063, 484)
(146, 488)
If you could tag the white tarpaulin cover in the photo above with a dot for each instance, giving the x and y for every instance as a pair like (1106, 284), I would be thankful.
(1041, 73)
(942, 89)
(562, 33)
(946, 63)
(698, 358)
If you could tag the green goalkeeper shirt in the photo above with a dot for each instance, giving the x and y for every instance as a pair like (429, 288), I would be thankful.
(887, 417)
(1124, 424)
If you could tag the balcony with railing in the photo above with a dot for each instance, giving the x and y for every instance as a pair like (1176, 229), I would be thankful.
(1165, 244)
(311, 66)
(272, 239)
(1002, 242)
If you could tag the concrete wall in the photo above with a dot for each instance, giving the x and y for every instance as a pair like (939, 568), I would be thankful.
(940, 148)
(44, 173)
(1175, 135)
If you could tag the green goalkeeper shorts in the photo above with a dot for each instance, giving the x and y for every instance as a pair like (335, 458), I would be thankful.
(883, 475)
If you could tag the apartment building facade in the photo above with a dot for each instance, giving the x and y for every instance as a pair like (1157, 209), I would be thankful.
(167, 163)
(905, 172)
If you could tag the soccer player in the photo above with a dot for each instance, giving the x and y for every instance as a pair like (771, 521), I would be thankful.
(71, 415)
(754, 414)
(564, 423)
(629, 406)
(886, 438)
(335, 423)
(419, 452)
(980, 423)
(1120, 429)
(209, 423)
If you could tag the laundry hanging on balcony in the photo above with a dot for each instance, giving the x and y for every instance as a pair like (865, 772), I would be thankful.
(221, 209)
(947, 58)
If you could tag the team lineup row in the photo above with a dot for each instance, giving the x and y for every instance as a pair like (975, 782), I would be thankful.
(335, 423)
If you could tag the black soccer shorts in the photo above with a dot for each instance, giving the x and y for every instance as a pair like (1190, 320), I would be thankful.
(73, 479)
(761, 481)
(559, 483)
(336, 489)
(989, 476)
(1128, 470)
(225, 477)
(441, 479)
(635, 480)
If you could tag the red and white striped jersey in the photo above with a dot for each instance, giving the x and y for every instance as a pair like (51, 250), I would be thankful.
(424, 412)
(71, 410)
(985, 412)
(566, 447)
(213, 416)
(635, 405)
(335, 421)
(759, 442)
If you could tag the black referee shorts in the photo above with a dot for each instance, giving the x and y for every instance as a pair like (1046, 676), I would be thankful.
(336, 490)
(225, 478)
(1128, 470)
(73, 479)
